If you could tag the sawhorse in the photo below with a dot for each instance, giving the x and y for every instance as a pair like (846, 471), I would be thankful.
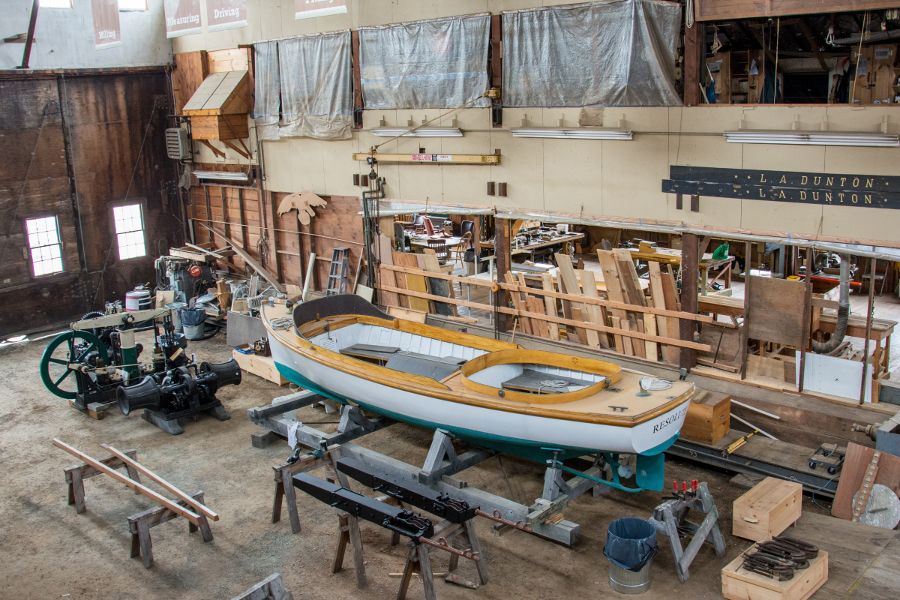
(140, 524)
(76, 474)
(671, 515)
(284, 489)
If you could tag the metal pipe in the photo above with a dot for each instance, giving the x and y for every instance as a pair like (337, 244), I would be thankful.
(843, 313)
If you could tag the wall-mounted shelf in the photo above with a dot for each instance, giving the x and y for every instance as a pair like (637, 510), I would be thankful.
(441, 159)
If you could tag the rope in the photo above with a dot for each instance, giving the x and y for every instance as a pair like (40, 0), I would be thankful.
(862, 35)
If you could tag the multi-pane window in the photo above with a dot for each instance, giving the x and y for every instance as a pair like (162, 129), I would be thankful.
(132, 4)
(44, 245)
(129, 222)
(55, 3)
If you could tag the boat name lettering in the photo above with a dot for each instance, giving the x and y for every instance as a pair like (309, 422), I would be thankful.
(673, 418)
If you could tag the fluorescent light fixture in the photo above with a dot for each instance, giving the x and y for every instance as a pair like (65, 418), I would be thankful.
(581, 133)
(423, 132)
(814, 138)
(222, 176)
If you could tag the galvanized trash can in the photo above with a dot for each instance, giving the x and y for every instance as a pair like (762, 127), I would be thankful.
(630, 548)
(192, 321)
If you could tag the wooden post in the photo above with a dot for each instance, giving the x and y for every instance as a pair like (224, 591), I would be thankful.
(502, 262)
(690, 268)
(869, 313)
(693, 59)
(807, 315)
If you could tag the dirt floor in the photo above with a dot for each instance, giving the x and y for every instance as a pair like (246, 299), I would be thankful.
(49, 551)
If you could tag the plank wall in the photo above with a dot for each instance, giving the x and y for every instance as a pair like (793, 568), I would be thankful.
(74, 146)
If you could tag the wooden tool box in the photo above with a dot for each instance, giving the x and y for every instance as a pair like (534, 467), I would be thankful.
(709, 417)
(740, 584)
(768, 509)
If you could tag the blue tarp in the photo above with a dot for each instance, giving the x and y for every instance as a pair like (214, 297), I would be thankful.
(630, 543)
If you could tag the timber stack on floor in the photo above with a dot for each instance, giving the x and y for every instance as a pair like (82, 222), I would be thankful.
(614, 313)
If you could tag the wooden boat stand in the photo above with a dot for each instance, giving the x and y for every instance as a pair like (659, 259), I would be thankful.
(670, 519)
(441, 466)
(76, 474)
(139, 526)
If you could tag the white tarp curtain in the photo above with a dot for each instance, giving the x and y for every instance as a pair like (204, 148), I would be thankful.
(613, 53)
(267, 105)
(440, 63)
(310, 77)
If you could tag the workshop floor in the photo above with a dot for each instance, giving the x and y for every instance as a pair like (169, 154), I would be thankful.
(49, 551)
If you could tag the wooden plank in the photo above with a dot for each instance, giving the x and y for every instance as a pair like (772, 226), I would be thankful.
(251, 262)
(650, 348)
(614, 292)
(142, 489)
(519, 304)
(775, 310)
(386, 275)
(595, 313)
(414, 283)
(666, 326)
(728, 10)
(436, 285)
(569, 281)
(563, 321)
(550, 305)
(690, 274)
(539, 327)
(187, 498)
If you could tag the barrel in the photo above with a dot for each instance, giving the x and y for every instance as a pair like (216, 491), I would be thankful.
(138, 299)
(630, 548)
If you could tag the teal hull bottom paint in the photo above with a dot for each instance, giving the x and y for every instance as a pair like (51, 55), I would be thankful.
(649, 464)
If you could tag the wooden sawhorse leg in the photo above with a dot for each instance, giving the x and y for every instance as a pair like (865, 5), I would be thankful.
(76, 475)
(139, 525)
(418, 560)
(348, 532)
(467, 534)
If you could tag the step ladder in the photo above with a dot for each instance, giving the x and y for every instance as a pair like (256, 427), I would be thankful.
(337, 273)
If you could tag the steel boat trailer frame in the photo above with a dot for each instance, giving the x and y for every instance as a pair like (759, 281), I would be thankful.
(441, 468)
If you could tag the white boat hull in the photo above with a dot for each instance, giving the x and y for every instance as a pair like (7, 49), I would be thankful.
(474, 422)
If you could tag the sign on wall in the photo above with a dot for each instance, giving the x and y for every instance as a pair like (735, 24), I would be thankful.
(226, 14)
(182, 17)
(826, 189)
(307, 9)
(107, 32)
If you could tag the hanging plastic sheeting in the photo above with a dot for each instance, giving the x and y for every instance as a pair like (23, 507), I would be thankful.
(267, 105)
(615, 53)
(440, 63)
(316, 95)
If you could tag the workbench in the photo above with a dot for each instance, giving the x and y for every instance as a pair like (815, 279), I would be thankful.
(882, 330)
(672, 256)
(560, 240)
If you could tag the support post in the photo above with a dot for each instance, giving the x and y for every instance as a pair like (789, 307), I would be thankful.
(29, 39)
(870, 309)
(502, 260)
(690, 268)
(693, 59)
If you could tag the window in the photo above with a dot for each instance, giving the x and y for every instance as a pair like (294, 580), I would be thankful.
(130, 231)
(132, 4)
(55, 3)
(44, 245)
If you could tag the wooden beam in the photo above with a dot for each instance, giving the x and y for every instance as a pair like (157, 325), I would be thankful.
(690, 274)
(870, 311)
(717, 10)
(503, 257)
(694, 40)
(562, 321)
(187, 498)
(141, 489)
(251, 262)
(358, 101)
(29, 37)
(214, 150)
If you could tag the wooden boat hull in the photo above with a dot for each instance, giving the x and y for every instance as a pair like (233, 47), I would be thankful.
(526, 435)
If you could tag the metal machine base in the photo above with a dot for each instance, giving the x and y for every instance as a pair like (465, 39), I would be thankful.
(173, 423)
(441, 465)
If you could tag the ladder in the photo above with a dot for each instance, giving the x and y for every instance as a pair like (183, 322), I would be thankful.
(337, 273)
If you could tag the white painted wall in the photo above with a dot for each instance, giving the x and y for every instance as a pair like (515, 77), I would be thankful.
(64, 38)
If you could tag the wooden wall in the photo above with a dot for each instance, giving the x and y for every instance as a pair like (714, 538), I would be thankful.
(722, 10)
(74, 145)
(238, 213)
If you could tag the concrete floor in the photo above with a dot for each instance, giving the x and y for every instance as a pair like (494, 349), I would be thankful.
(49, 551)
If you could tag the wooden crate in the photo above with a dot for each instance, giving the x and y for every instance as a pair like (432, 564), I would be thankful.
(769, 508)
(261, 366)
(709, 417)
(739, 584)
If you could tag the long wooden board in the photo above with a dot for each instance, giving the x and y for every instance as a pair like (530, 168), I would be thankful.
(413, 282)
(614, 292)
(142, 489)
(550, 305)
(569, 281)
(187, 498)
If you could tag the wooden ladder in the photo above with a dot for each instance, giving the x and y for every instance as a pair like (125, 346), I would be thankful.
(337, 273)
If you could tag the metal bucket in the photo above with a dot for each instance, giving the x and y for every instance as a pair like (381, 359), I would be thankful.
(629, 582)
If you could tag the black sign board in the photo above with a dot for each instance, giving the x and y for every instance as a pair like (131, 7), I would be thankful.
(872, 191)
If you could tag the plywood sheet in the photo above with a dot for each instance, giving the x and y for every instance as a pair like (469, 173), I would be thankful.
(776, 311)
(855, 463)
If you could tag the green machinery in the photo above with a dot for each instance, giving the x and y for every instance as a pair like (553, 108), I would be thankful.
(98, 354)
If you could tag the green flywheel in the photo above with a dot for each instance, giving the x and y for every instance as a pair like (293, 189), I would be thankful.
(68, 349)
